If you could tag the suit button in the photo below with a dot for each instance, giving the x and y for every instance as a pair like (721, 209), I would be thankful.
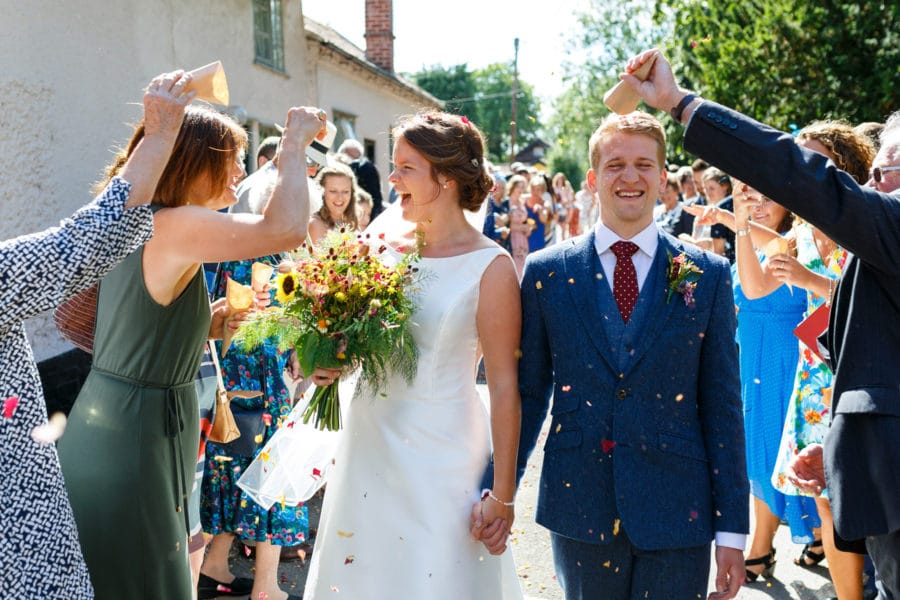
(621, 394)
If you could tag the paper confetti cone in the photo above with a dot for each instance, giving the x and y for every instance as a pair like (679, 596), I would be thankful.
(239, 298)
(621, 99)
(210, 84)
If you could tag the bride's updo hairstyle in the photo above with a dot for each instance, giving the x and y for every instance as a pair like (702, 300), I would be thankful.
(455, 149)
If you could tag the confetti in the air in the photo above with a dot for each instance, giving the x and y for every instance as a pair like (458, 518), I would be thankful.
(50, 431)
(9, 406)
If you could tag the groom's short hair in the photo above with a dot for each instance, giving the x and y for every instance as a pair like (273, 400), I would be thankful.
(637, 122)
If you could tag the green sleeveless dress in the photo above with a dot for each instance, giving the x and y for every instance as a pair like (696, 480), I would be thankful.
(130, 447)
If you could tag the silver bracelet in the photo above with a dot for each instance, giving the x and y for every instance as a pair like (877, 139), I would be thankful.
(742, 232)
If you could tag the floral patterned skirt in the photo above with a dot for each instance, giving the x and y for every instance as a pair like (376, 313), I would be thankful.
(225, 508)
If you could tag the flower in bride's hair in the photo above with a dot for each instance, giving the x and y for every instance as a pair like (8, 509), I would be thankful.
(465, 120)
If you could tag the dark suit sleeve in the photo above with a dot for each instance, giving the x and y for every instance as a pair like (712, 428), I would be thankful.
(862, 220)
(488, 227)
(368, 179)
(535, 368)
(720, 409)
(685, 224)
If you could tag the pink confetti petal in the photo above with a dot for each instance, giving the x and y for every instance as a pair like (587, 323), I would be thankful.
(9, 406)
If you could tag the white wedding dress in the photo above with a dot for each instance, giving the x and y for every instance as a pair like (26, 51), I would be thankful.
(408, 468)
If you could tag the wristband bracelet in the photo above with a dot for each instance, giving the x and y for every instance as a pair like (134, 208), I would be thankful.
(490, 494)
(742, 232)
(679, 109)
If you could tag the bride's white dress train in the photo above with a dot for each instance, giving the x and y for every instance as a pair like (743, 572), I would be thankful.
(395, 520)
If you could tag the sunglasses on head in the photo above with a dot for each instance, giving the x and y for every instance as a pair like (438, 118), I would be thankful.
(877, 173)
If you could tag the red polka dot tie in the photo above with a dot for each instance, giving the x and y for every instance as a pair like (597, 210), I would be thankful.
(625, 285)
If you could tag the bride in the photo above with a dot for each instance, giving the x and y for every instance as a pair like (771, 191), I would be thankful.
(408, 470)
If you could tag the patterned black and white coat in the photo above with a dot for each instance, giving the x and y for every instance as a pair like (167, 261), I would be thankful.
(40, 556)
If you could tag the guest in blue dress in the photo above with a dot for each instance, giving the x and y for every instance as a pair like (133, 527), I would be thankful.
(768, 312)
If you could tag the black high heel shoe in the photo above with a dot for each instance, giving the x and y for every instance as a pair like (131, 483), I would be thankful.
(768, 563)
(809, 558)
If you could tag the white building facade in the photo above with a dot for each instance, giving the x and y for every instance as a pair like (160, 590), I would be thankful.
(72, 75)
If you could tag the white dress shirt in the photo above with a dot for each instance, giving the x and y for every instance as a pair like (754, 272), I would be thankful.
(647, 240)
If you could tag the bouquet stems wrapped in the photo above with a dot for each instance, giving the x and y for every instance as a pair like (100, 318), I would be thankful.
(341, 307)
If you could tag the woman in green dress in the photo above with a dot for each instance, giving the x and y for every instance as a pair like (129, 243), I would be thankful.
(132, 439)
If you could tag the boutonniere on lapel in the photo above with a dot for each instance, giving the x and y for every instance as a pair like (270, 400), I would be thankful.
(683, 276)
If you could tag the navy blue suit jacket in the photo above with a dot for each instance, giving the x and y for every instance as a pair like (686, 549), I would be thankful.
(862, 455)
(676, 473)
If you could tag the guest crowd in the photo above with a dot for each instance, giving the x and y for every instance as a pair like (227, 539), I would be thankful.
(119, 510)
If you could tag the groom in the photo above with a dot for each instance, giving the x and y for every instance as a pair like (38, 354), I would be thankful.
(644, 460)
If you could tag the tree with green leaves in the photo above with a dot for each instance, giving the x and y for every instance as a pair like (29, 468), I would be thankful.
(790, 62)
(454, 85)
(485, 97)
(495, 85)
(784, 62)
(607, 35)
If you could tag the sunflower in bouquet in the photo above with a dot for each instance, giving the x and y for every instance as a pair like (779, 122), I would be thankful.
(341, 307)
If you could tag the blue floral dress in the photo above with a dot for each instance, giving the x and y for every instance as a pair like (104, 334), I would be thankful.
(768, 359)
(224, 507)
(809, 412)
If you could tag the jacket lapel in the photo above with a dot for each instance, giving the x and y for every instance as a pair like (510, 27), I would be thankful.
(659, 311)
(582, 266)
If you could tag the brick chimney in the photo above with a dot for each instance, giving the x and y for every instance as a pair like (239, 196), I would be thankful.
(380, 33)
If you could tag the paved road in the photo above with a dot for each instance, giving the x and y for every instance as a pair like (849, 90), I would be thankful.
(531, 546)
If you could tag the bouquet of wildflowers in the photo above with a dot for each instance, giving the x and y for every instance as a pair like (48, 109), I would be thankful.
(341, 306)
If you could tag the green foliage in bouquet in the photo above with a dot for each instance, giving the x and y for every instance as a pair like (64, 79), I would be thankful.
(341, 307)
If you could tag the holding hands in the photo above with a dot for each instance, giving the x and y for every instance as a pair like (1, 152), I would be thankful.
(491, 523)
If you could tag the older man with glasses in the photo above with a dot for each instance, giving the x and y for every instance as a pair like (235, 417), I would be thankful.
(885, 173)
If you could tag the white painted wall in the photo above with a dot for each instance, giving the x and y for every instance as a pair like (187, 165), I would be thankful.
(71, 81)
(377, 109)
(71, 73)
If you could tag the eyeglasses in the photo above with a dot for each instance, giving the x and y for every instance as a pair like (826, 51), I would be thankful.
(877, 173)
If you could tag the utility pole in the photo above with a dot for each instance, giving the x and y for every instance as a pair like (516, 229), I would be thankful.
(515, 100)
